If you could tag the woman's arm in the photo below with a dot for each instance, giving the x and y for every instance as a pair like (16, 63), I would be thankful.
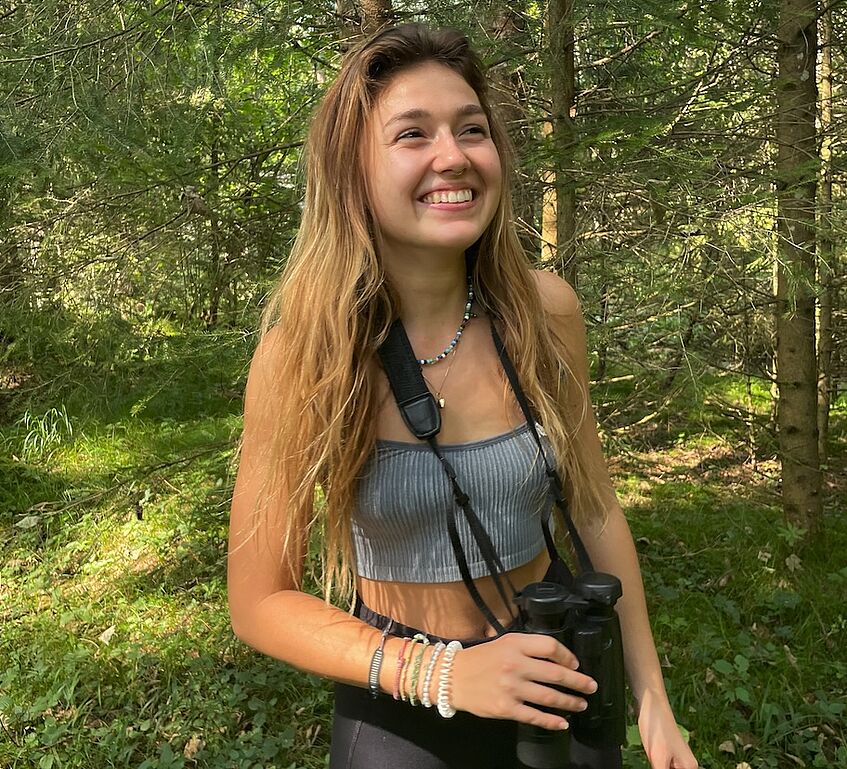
(267, 609)
(612, 550)
(269, 612)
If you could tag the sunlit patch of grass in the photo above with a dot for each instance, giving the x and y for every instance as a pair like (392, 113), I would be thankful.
(116, 632)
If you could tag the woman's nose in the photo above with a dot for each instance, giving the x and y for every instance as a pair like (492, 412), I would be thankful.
(449, 155)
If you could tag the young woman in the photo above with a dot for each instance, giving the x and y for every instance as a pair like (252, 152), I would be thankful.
(408, 216)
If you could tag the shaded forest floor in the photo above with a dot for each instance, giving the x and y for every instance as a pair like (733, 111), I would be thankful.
(115, 477)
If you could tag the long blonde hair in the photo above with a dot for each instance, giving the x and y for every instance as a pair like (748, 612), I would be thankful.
(333, 306)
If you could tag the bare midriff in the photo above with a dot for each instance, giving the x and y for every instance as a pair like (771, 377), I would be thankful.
(446, 609)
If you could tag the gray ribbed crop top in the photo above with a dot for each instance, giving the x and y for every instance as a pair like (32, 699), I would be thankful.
(403, 498)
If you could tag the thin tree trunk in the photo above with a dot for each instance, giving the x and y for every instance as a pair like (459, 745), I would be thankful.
(603, 342)
(349, 28)
(375, 15)
(548, 210)
(560, 30)
(747, 363)
(796, 184)
(217, 272)
(507, 26)
(826, 244)
(216, 267)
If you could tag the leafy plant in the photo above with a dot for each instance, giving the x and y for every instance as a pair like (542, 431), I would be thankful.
(44, 433)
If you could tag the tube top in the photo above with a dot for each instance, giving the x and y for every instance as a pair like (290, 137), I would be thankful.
(399, 523)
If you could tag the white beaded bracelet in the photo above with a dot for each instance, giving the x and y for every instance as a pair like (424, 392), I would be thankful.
(445, 709)
(436, 651)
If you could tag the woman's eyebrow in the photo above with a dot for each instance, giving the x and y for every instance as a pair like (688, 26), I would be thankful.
(418, 114)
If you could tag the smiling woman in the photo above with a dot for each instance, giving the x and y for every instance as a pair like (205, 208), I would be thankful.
(407, 226)
(432, 169)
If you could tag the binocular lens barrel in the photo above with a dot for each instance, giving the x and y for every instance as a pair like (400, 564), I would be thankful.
(582, 619)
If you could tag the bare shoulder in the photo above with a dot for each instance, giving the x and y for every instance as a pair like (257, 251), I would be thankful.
(557, 295)
(267, 351)
(265, 363)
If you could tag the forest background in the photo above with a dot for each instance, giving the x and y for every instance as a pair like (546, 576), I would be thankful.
(681, 163)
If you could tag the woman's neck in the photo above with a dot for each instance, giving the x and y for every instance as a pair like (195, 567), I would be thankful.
(433, 298)
(431, 295)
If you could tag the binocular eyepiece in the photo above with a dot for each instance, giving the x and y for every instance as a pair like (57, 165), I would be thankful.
(582, 618)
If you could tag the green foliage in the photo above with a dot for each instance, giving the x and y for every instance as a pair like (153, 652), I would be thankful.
(154, 171)
(150, 170)
(116, 641)
(746, 614)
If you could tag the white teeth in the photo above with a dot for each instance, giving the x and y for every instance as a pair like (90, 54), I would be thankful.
(451, 196)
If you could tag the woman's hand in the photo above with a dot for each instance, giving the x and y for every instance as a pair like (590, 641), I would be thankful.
(663, 743)
(505, 677)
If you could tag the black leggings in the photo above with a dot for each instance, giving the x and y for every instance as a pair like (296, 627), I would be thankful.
(381, 732)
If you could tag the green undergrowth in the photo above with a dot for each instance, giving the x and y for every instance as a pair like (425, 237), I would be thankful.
(749, 620)
(116, 649)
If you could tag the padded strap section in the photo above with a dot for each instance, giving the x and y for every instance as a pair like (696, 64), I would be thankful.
(417, 405)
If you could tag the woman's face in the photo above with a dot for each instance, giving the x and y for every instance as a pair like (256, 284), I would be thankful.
(433, 172)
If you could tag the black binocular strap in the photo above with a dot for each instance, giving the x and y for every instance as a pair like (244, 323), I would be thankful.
(555, 481)
(484, 543)
(417, 405)
(421, 415)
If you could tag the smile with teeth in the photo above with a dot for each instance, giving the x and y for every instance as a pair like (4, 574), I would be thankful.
(451, 196)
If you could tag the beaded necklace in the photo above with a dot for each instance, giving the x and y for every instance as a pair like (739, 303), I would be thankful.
(452, 346)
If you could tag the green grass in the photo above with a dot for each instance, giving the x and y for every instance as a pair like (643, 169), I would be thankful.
(751, 625)
(116, 644)
(116, 647)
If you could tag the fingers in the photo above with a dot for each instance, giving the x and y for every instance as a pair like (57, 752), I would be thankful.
(562, 665)
(686, 761)
(528, 715)
(538, 694)
(546, 647)
(551, 673)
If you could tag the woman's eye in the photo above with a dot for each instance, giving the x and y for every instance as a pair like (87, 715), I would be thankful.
(411, 133)
(477, 129)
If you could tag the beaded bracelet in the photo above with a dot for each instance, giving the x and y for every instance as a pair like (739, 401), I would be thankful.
(416, 671)
(376, 664)
(417, 638)
(445, 709)
(426, 701)
(401, 661)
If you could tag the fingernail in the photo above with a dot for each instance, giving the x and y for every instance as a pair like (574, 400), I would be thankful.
(583, 705)
(574, 664)
(593, 687)
(563, 725)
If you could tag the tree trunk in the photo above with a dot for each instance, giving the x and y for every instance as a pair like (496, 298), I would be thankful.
(548, 210)
(602, 345)
(507, 26)
(216, 267)
(826, 246)
(795, 302)
(348, 30)
(375, 15)
(560, 48)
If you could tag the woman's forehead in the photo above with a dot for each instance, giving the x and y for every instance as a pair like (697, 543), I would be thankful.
(422, 87)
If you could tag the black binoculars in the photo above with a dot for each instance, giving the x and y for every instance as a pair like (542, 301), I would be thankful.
(582, 618)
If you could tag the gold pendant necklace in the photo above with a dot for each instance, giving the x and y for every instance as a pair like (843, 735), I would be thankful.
(438, 397)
